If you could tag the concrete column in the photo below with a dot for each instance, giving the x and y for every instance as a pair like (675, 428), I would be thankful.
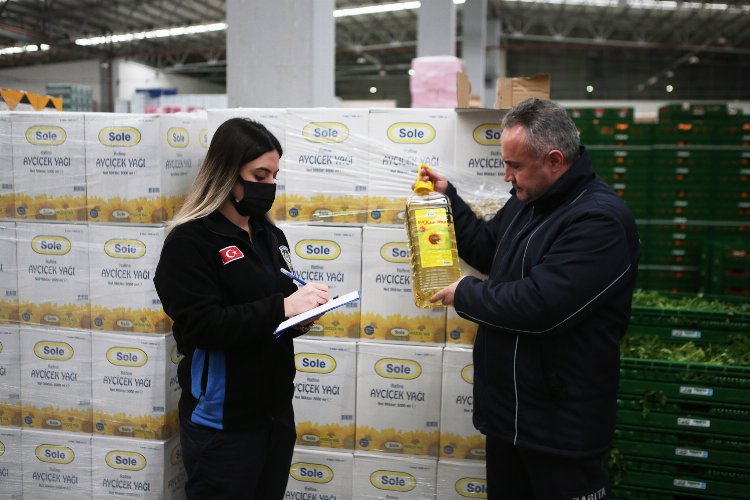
(475, 45)
(436, 28)
(280, 53)
(496, 61)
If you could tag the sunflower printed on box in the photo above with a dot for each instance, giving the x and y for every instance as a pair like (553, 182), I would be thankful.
(10, 375)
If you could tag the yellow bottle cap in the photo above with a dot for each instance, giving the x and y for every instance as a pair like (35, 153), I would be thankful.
(422, 187)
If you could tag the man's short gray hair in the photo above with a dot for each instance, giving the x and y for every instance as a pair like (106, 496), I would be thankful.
(547, 126)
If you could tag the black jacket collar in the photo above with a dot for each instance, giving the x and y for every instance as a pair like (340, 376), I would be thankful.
(217, 223)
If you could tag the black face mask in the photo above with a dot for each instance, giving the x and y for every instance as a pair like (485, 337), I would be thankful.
(258, 198)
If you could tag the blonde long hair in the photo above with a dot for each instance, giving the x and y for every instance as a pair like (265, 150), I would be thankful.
(236, 142)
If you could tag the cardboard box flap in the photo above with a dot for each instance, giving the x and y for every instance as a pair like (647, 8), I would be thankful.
(513, 90)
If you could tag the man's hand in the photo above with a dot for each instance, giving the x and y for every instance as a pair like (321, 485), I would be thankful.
(446, 295)
(439, 181)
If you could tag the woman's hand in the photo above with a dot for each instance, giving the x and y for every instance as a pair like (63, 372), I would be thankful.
(309, 296)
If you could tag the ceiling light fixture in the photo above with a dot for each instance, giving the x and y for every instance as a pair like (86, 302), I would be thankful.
(20, 49)
(145, 35)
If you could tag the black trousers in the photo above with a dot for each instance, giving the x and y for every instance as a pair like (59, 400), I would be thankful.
(248, 465)
(519, 474)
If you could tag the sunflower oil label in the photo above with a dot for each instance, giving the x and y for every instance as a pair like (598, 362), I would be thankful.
(135, 389)
(479, 174)
(388, 310)
(327, 153)
(458, 437)
(49, 171)
(10, 376)
(56, 379)
(7, 196)
(274, 119)
(53, 275)
(11, 475)
(136, 468)
(123, 260)
(8, 273)
(433, 237)
(401, 140)
(56, 465)
(320, 475)
(126, 181)
(330, 255)
(378, 476)
(398, 399)
(457, 479)
(324, 392)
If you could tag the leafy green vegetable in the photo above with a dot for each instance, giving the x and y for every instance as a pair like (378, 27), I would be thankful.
(735, 353)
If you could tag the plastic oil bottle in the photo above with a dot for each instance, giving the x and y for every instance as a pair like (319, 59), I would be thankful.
(432, 241)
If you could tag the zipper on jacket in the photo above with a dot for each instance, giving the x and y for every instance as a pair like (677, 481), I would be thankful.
(515, 391)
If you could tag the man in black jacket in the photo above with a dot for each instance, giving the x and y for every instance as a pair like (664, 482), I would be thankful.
(561, 257)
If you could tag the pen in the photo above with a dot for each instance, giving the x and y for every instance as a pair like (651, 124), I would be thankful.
(287, 273)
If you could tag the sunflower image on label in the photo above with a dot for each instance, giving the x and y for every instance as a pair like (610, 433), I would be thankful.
(433, 237)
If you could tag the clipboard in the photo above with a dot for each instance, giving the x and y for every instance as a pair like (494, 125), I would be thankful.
(339, 301)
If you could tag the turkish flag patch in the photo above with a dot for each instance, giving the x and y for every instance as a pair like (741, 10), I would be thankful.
(229, 254)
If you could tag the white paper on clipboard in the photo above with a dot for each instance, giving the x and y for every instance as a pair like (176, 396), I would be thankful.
(339, 301)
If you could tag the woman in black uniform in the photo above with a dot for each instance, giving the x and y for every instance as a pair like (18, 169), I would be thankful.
(218, 279)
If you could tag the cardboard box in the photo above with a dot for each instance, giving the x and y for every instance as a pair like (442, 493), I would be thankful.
(513, 90)
(7, 196)
(479, 174)
(330, 255)
(53, 275)
(125, 179)
(457, 480)
(8, 273)
(123, 260)
(56, 465)
(56, 379)
(10, 376)
(324, 393)
(320, 475)
(458, 437)
(327, 163)
(378, 476)
(11, 473)
(135, 388)
(136, 468)
(401, 140)
(398, 399)
(49, 171)
(388, 310)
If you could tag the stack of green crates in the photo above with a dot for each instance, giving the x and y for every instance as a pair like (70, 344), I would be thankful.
(683, 427)
(725, 268)
(686, 181)
(75, 97)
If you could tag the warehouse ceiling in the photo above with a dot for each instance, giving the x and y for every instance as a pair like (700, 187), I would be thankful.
(376, 45)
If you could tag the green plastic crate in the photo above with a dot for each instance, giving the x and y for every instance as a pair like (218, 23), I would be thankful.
(687, 382)
(685, 481)
(683, 452)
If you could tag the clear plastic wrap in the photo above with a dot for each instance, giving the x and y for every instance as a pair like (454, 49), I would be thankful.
(84, 270)
(457, 480)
